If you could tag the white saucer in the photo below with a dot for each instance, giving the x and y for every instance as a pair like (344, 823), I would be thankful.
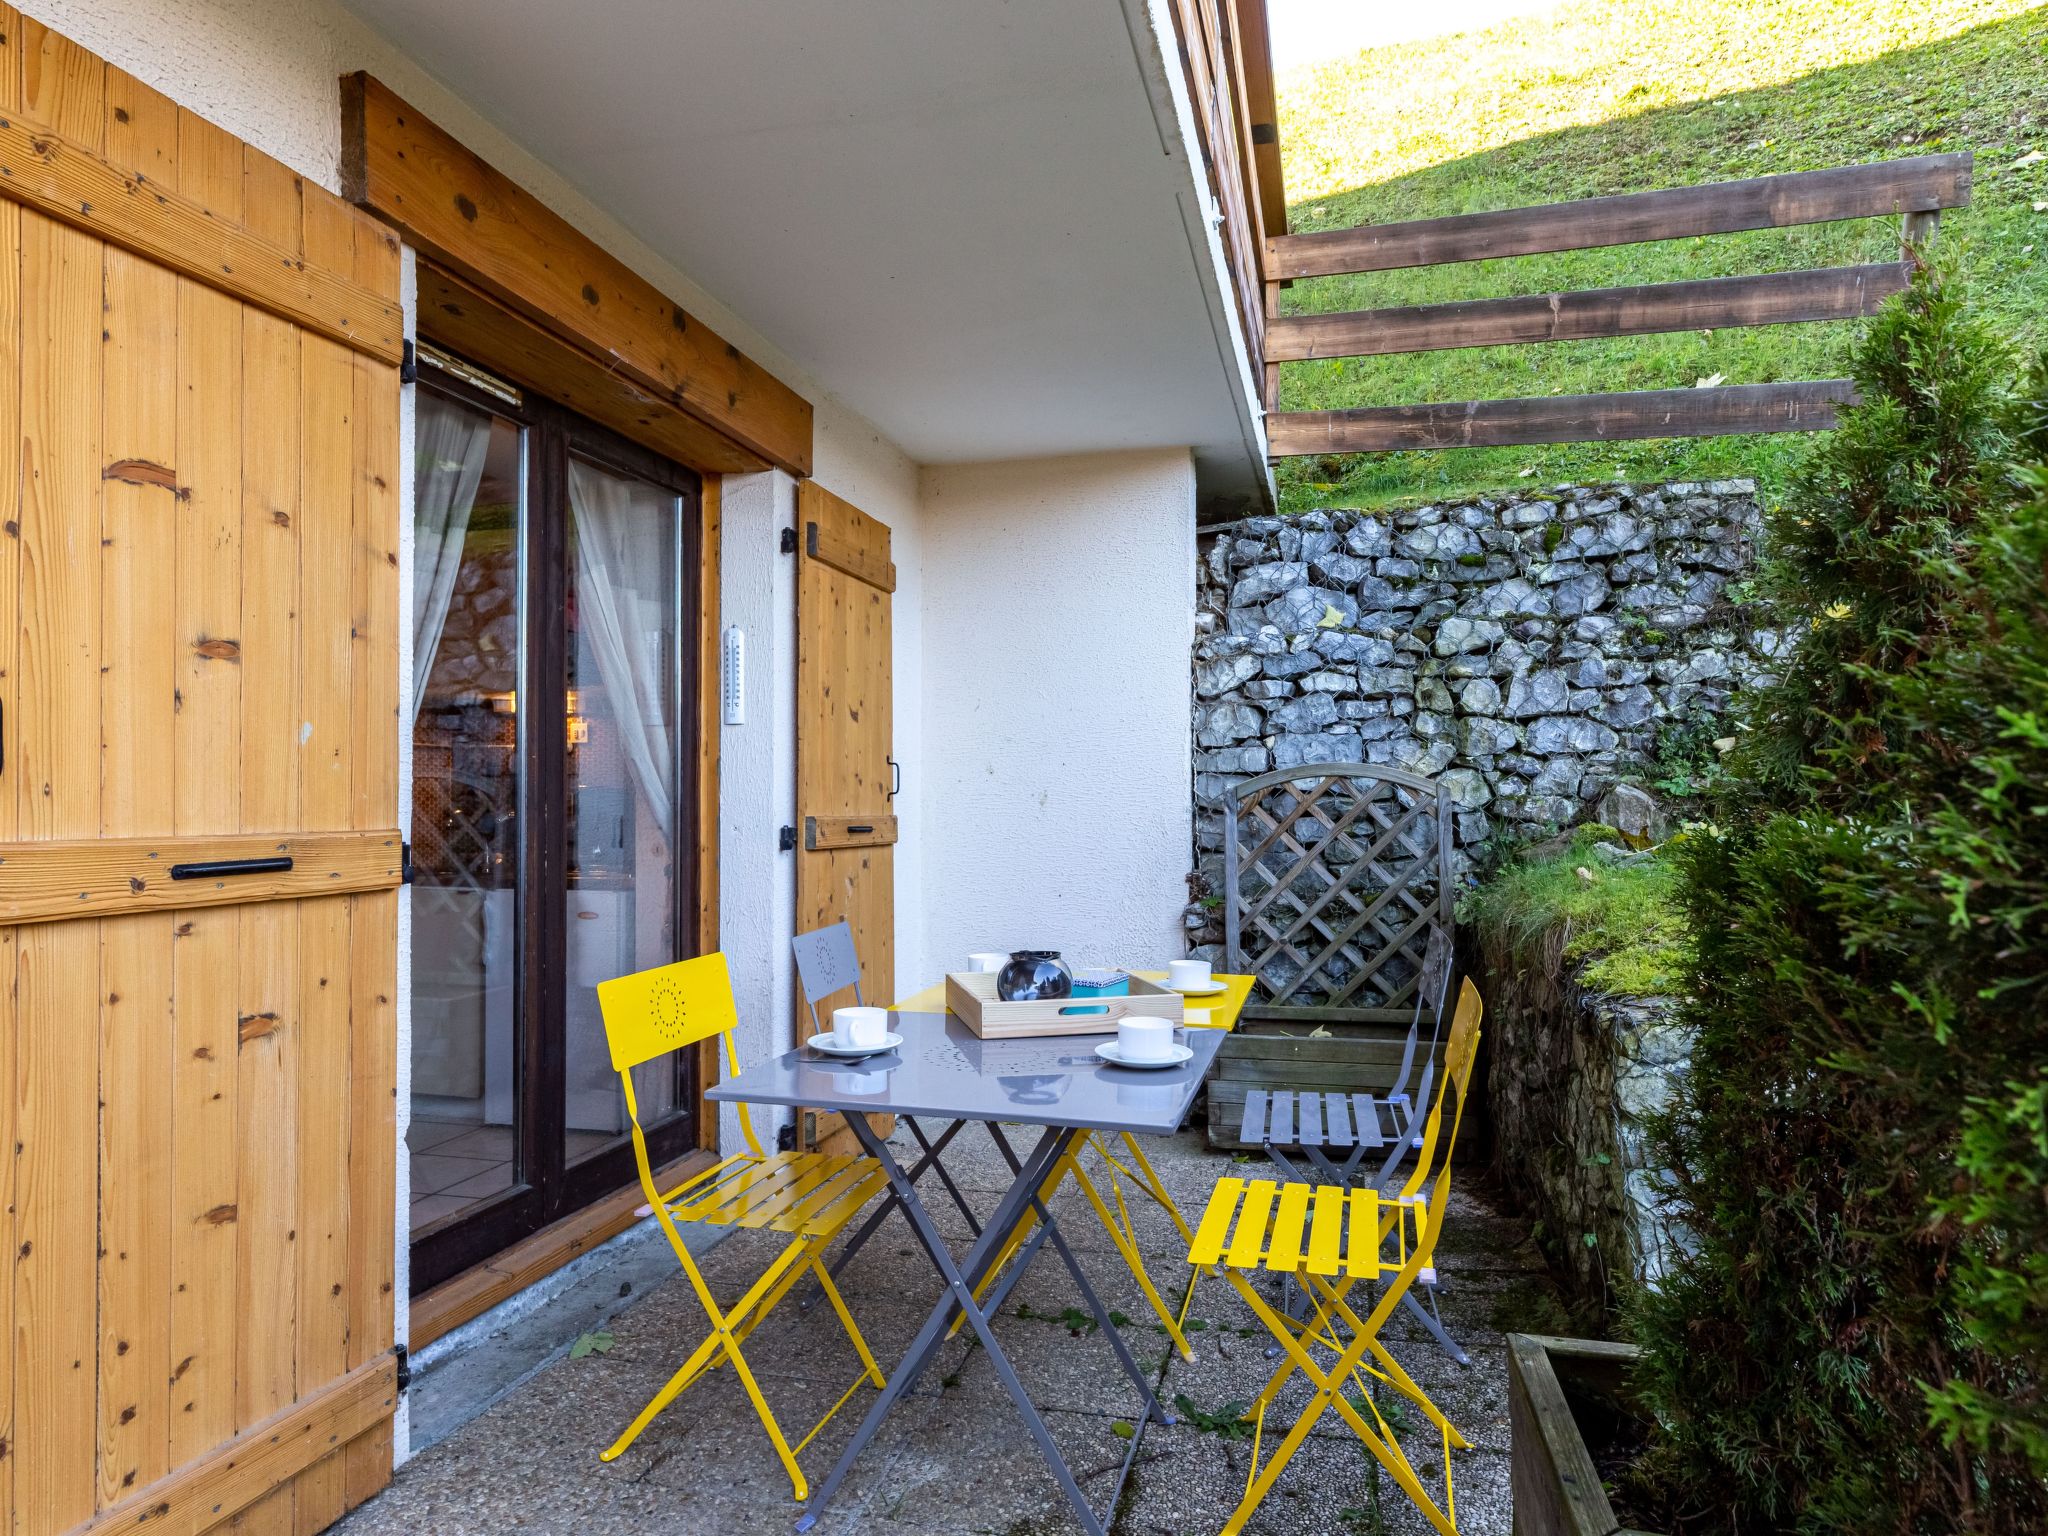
(1210, 990)
(1173, 1058)
(828, 1044)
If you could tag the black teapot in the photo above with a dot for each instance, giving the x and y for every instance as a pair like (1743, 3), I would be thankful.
(1034, 976)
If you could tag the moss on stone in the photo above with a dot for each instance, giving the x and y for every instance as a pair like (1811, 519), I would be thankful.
(1621, 921)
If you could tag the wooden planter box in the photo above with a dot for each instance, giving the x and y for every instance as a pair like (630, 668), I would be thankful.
(1564, 1395)
(1349, 1058)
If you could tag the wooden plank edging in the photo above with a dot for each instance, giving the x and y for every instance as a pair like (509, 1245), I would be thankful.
(43, 170)
(209, 1492)
(1644, 309)
(1728, 410)
(1914, 184)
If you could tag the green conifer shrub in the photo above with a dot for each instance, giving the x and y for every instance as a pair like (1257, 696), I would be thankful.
(1857, 1341)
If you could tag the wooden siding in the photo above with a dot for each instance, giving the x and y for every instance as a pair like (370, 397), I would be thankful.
(198, 658)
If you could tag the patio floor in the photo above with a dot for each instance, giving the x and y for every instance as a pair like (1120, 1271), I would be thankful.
(956, 1458)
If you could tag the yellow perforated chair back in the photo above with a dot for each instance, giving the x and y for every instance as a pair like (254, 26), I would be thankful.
(651, 1013)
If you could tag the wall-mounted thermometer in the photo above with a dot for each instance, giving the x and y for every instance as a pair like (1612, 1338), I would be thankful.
(732, 681)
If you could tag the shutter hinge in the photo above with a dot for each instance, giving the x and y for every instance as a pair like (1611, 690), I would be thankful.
(785, 841)
(404, 1366)
(409, 365)
(789, 541)
(405, 863)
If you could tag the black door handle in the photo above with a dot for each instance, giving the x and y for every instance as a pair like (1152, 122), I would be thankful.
(857, 831)
(213, 867)
(896, 784)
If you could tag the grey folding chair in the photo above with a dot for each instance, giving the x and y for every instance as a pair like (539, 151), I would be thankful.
(1359, 1125)
(826, 962)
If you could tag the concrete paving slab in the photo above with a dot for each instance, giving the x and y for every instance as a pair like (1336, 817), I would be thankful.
(955, 1458)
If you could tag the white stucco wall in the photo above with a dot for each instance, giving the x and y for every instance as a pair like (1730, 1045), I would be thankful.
(1058, 610)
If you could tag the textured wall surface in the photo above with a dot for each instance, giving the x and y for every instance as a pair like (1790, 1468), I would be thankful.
(1574, 1078)
(1525, 649)
(1059, 596)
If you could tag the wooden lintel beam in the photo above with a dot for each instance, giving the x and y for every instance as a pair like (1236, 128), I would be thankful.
(466, 322)
(1773, 298)
(1917, 184)
(478, 223)
(43, 170)
(1731, 410)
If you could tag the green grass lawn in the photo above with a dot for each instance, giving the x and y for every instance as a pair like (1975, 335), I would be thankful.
(1605, 96)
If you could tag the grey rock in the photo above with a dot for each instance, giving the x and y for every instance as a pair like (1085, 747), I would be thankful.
(1306, 608)
(1341, 645)
(1553, 734)
(1219, 677)
(1635, 811)
(1467, 788)
(1330, 747)
(1264, 582)
(1223, 725)
(1330, 682)
(1538, 693)
(1581, 594)
(1481, 696)
(1338, 570)
(1459, 634)
(1307, 713)
(1479, 736)
(1369, 538)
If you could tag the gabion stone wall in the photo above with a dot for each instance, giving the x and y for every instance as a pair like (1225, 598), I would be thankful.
(1523, 648)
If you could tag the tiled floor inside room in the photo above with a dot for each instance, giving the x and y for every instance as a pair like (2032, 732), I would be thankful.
(458, 1164)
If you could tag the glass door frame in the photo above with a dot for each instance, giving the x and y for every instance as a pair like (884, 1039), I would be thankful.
(549, 1187)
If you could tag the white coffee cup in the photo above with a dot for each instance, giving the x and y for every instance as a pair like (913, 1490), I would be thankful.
(987, 960)
(1188, 973)
(1144, 1039)
(860, 1026)
(863, 1082)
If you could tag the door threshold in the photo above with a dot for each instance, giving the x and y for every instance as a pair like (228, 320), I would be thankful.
(460, 1298)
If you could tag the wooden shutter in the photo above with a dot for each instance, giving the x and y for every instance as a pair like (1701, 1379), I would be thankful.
(846, 833)
(198, 663)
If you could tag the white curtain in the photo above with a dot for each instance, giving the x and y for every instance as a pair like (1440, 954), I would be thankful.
(448, 465)
(623, 611)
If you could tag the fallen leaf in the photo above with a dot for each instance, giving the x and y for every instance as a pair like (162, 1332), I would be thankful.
(1724, 743)
(1585, 874)
(2041, 205)
(1122, 1430)
(2031, 157)
(1526, 473)
(1710, 381)
(1331, 617)
(590, 1344)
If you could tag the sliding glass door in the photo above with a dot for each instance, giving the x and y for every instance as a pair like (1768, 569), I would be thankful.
(553, 752)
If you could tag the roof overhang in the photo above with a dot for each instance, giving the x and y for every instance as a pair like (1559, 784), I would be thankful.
(974, 223)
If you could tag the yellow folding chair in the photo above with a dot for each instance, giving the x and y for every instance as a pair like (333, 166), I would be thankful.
(808, 1195)
(1329, 1239)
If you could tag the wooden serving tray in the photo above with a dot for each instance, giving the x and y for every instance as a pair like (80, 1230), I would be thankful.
(971, 996)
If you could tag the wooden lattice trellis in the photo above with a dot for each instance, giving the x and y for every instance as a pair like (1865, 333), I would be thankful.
(1334, 875)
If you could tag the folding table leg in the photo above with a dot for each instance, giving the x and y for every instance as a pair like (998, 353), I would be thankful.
(888, 1203)
(1101, 1313)
(960, 1295)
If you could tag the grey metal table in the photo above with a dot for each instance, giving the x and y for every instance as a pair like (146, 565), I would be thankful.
(944, 1071)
